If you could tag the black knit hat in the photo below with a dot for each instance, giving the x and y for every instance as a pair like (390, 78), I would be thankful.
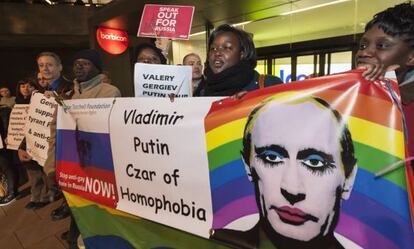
(91, 55)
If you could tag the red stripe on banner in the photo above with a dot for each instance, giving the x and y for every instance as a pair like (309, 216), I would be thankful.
(410, 182)
(361, 109)
(89, 182)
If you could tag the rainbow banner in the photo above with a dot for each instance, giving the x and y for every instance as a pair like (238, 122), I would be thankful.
(244, 145)
(377, 215)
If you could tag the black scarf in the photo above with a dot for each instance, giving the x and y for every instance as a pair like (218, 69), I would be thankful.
(230, 81)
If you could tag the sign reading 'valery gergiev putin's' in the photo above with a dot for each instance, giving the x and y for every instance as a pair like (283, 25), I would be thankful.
(162, 80)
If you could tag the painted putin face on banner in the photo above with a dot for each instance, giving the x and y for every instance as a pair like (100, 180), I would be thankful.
(296, 164)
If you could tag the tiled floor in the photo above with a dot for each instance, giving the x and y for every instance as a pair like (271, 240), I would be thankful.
(30, 229)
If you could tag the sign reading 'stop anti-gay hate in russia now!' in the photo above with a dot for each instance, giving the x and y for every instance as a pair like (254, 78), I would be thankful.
(166, 21)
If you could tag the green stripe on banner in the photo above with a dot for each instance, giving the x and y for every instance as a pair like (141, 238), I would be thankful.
(140, 233)
(374, 160)
(224, 153)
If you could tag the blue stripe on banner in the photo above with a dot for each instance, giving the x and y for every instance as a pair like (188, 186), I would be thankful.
(379, 218)
(227, 173)
(383, 191)
(93, 148)
(231, 191)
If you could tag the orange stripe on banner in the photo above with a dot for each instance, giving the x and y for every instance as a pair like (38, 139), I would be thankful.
(362, 109)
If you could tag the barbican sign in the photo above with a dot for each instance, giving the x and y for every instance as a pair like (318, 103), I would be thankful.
(113, 41)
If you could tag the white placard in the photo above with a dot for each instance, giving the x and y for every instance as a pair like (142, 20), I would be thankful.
(153, 80)
(160, 159)
(37, 130)
(17, 122)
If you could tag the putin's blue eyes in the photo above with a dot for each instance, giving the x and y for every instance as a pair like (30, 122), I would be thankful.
(271, 157)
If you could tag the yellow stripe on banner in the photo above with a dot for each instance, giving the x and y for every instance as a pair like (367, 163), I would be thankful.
(75, 201)
(362, 131)
(377, 136)
(225, 133)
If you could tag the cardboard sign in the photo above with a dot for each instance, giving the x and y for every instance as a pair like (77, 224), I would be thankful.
(37, 130)
(113, 41)
(17, 122)
(166, 21)
(153, 80)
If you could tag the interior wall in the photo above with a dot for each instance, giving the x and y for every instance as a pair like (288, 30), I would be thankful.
(28, 29)
(19, 63)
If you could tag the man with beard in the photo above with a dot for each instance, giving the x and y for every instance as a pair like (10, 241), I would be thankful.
(302, 166)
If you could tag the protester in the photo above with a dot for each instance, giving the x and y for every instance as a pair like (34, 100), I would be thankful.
(23, 91)
(42, 82)
(37, 178)
(388, 42)
(6, 104)
(10, 172)
(50, 68)
(198, 82)
(231, 62)
(88, 83)
(6, 99)
(150, 54)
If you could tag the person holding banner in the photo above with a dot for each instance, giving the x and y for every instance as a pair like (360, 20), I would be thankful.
(150, 54)
(388, 44)
(9, 173)
(299, 181)
(87, 68)
(37, 178)
(231, 62)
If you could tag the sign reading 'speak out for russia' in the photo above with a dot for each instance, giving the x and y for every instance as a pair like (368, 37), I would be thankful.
(166, 21)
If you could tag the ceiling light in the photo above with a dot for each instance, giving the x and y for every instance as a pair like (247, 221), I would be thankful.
(198, 33)
(50, 2)
(234, 25)
(241, 23)
(312, 7)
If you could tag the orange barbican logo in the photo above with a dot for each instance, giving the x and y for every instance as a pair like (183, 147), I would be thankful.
(112, 41)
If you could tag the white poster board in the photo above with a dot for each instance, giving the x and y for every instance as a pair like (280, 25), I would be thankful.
(153, 80)
(37, 130)
(17, 122)
(159, 176)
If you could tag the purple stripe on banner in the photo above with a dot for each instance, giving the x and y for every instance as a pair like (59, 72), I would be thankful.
(378, 217)
(88, 148)
(362, 234)
(231, 191)
(235, 210)
(383, 191)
